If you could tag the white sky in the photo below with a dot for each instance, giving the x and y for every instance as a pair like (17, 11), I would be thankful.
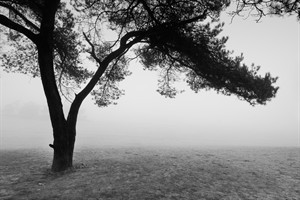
(143, 117)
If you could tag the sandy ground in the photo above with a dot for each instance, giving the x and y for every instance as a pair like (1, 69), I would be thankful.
(154, 173)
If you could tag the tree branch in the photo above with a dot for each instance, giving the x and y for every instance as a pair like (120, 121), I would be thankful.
(200, 17)
(17, 27)
(27, 21)
(124, 46)
(93, 53)
(149, 11)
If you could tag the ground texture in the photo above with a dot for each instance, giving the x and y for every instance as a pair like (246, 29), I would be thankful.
(154, 173)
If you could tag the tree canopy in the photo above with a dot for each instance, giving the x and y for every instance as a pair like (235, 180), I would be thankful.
(260, 8)
(25, 17)
(176, 37)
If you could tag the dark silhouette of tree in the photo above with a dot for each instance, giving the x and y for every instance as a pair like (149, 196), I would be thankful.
(48, 40)
(262, 8)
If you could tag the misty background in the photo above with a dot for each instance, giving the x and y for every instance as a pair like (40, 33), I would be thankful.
(142, 117)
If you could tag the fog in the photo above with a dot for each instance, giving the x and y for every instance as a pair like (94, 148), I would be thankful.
(143, 117)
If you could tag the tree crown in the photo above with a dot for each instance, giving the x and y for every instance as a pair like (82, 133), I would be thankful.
(175, 37)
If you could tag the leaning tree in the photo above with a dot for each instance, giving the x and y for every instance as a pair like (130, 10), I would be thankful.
(50, 38)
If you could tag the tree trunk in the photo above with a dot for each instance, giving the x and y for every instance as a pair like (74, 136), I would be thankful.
(64, 133)
(63, 147)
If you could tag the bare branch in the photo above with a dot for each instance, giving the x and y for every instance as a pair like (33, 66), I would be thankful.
(92, 53)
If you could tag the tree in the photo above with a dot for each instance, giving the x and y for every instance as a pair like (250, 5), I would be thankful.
(262, 8)
(176, 37)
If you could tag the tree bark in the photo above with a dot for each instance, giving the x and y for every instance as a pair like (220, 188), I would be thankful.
(63, 131)
(63, 147)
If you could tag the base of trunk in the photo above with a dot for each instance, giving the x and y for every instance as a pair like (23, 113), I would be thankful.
(62, 159)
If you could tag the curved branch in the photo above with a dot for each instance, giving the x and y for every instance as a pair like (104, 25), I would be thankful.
(124, 46)
(17, 27)
(27, 21)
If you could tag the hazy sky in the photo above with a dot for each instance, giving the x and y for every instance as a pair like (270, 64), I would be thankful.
(143, 117)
